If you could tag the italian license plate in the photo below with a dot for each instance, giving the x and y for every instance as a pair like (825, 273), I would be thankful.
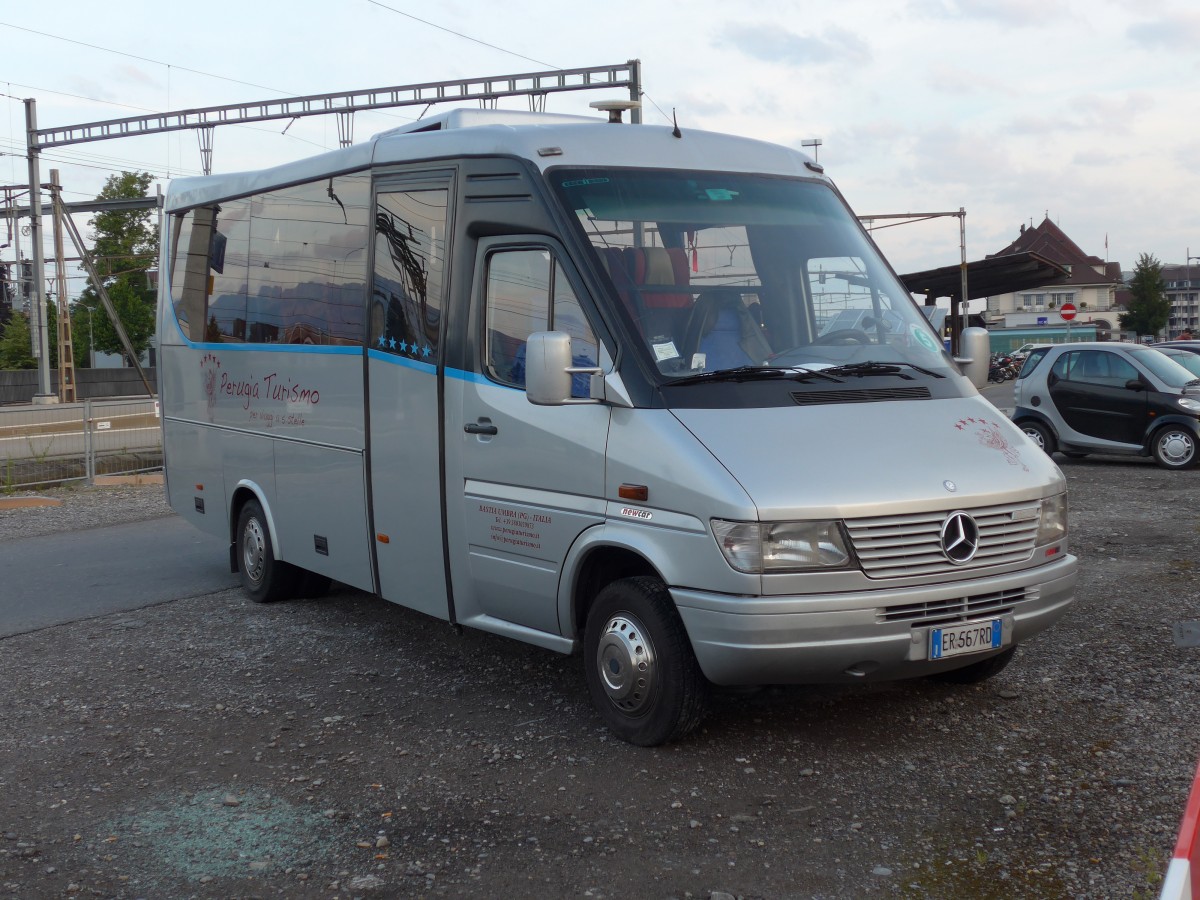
(969, 637)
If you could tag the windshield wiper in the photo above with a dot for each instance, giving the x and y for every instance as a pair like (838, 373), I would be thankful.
(880, 368)
(754, 373)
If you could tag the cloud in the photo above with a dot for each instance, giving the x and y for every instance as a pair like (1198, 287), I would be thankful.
(956, 80)
(1014, 13)
(773, 44)
(1179, 30)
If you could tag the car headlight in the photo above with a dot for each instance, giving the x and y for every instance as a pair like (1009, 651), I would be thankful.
(1052, 524)
(765, 547)
(1192, 406)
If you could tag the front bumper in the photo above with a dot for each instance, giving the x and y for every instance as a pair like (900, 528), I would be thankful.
(832, 638)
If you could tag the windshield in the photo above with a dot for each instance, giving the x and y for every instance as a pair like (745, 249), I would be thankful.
(727, 271)
(1168, 370)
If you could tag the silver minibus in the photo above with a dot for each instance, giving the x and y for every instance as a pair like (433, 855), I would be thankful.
(646, 395)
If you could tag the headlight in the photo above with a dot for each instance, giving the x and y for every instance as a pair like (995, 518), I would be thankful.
(1192, 406)
(1052, 525)
(765, 547)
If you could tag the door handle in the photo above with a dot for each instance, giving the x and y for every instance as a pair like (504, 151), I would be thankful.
(478, 428)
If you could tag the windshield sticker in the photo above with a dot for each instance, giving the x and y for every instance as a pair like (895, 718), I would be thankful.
(924, 338)
(720, 193)
(665, 350)
(581, 182)
(989, 435)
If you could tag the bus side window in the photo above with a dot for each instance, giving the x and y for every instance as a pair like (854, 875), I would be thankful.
(528, 291)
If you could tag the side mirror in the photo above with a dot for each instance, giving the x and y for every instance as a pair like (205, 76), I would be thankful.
(547, 358)
(976, 349)
(550, 372)
(1135, 384)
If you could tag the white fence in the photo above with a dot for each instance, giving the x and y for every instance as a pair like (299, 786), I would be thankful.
(77, 441)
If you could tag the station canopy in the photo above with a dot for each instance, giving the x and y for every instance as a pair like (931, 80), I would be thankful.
(988, 277)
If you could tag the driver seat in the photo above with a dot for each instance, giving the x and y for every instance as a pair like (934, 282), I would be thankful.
(722, 328)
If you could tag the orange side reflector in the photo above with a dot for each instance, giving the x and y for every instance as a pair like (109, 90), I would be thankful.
(383, 539)
(634, 492)
(199, 487)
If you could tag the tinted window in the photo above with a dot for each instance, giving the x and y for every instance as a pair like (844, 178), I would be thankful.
(1032, 360)
(1102, 368)
(527, 291)
(287, 266)
(410, 261)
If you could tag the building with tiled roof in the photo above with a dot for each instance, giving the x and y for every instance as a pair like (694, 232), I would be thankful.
(1092, 286)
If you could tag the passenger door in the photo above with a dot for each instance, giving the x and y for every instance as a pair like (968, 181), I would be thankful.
(404, 362)
(523, 481)
(1088, 388)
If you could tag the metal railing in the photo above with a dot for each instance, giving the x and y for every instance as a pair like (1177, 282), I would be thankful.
(42, 445)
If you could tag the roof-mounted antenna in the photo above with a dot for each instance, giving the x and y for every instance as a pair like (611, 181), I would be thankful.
(675, 121)
(614, 108)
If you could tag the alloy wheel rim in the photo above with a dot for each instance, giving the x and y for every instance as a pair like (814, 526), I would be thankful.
(1176, 447)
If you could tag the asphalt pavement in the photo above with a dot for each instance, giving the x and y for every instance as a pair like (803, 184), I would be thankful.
(59, 578)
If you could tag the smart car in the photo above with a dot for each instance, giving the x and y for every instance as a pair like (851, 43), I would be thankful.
(1108, 397)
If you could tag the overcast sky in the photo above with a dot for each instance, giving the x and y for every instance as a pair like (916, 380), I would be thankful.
(1011, 109)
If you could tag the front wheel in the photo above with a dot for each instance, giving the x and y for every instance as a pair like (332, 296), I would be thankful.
(264, 578)
(641, 672)
(1174, 447)
(1040, 435)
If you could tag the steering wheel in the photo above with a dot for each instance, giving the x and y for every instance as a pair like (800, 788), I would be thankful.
(843, 335)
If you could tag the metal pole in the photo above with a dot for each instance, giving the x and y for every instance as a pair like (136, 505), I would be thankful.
(66, 343)
(635, 90)
(38, 306)
(89, 455)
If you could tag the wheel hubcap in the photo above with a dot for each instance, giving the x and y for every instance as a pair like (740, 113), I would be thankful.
(1036, 436)
(625, 659)
(254, 545)
(1176, 447)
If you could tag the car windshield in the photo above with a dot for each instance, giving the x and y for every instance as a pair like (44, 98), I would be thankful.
(1185, 358)
(1164, 368)
(748, 273)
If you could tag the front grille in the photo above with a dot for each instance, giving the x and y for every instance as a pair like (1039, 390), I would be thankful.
(863, 395)
(957, 609)
(908, 545)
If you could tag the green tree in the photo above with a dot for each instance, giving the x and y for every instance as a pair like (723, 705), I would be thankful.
(1149, 309)
(125, 249)
(15, 349)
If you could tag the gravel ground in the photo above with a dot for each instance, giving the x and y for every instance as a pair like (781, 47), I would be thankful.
(346, 747)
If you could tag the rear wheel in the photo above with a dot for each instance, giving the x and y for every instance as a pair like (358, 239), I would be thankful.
(264, 578)
(1040, 435)
(980, 671)
(641, 672)
(1174, 447)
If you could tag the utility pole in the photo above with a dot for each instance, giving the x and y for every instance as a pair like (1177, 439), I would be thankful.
(37, 305)
(66, 347)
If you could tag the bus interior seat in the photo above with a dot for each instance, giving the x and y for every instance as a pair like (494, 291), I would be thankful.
(654, 272)
(723, 329)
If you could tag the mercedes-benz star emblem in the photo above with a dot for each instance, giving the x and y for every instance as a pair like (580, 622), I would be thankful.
(960, 537)
(950, 485)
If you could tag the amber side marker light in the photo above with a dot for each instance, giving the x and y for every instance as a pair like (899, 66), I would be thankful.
(383, 539)
(634, 492)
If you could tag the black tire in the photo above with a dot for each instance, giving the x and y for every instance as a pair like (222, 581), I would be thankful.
(1040, 435)
(979, 671)
(641, 672)
(311, 586)
(1174, 447)
(264, 578)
